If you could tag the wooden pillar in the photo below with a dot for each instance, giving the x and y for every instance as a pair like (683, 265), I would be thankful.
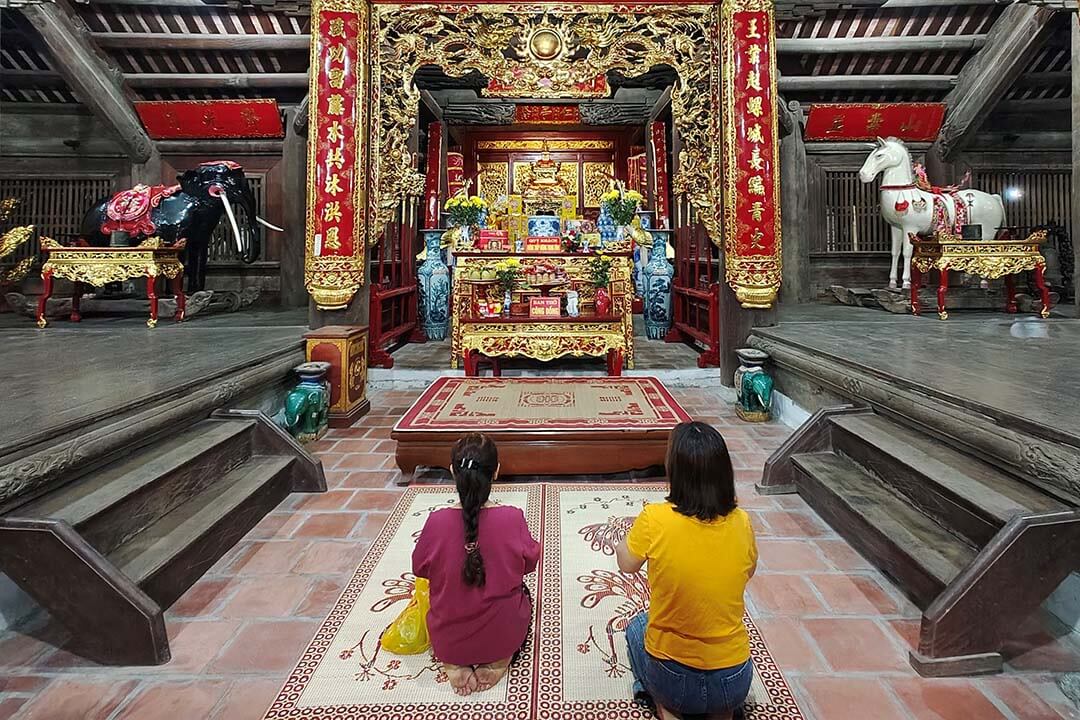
(1074, 24)
(294, 190)
(794, 207)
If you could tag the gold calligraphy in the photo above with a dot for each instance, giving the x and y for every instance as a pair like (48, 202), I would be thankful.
(837, 126)
(874, 122)
(334, 132)
(755, 240)
(336, 53)
(336, 78)
(755, 135)
(756, 161)
(753, 106)
(337, 27)
(752, 32)
(335, 158)
(753, 81)
(333, 185)
(333, 241)
(757, 210)
(753, 54)
(335, 105)
(756, 185)
(332, 211)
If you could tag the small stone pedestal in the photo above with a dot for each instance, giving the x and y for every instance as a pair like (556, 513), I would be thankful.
(345, 347)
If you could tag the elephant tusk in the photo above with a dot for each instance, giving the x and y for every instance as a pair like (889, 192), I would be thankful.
(269, 225)
(232, 221)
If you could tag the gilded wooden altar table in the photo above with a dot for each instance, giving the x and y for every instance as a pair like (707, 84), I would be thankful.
(989, 259)
(98, 266)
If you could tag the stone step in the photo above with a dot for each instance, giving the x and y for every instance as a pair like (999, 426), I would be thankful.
(111, 505)
(920, 555)
(956, 490)
(167, 557)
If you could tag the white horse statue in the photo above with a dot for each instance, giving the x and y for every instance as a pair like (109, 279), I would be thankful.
(908, 208)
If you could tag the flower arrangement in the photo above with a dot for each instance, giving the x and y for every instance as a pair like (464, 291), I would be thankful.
(507, 273)
(622, 204)
(571, 240)
(600, 270)
(466, 211)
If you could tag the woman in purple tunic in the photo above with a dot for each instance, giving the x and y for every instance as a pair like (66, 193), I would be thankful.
(476, 556)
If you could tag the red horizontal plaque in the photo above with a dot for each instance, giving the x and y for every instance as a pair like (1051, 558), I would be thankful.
(547, 114)
(196, 119)
(914, 122)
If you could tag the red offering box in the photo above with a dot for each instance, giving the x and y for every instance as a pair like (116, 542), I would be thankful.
(488, 234)
(545, 307)
(535, 244)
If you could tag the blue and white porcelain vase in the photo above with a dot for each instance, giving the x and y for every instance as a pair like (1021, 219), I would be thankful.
(606, 225)
(641, 255)
(544, 226)
(646, 218)
(434, 281)
(656, 279)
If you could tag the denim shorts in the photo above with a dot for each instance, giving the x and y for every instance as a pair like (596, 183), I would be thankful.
(684, 689)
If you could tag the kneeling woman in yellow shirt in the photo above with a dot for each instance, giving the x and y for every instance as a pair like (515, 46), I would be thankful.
(691, 651)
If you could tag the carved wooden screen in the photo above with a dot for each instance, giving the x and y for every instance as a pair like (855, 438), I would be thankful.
(1031, 197)
(55, 206)
(853, 221)
(696, 286)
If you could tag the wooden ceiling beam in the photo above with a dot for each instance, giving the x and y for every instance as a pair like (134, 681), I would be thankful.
(98, 85)
(196, 41)
(216, 80)
(918, 43)
(985, 79)
(818, 83)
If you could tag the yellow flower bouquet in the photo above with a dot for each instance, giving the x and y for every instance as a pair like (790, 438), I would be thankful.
(466, 211)
(507, 273)
(622, 204)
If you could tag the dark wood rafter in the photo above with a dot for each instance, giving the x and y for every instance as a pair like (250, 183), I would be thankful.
(80, 63)
(192, 41)
(923, 43)
(1016, 36)
(865, 82)
(216, 80)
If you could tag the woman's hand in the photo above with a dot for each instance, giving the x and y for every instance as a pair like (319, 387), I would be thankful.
(628, 562)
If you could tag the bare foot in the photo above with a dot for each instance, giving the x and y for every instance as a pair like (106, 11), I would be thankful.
(488, 676)
(462, 679)
(666, 714)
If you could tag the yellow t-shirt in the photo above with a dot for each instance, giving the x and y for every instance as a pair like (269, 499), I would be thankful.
(697, 572)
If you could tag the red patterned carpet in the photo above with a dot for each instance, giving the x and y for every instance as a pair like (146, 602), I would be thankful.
(577, 669)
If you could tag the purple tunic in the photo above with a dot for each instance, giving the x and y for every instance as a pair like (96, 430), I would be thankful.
(476, 625)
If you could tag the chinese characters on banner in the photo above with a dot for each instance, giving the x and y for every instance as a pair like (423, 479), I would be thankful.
(336, 247)
(912, 122)
(658, 139)
(751, 166)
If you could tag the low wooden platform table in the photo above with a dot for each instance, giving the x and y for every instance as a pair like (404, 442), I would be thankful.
(543, 426)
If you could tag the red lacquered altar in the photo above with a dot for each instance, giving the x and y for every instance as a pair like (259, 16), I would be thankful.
(607, 335)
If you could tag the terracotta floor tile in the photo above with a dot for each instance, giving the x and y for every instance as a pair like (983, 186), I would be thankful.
(375, 500)
(856, 645)
(320, 598)
(330, 500)
(850, 698)
(23, 683)
(945, 699)
(378, 433)
(201, 599)
(790, 645)
(18, 650)
(783, 595)
(66, 699)
(789, 555)
(194, 644)
(247, 700)
(841, 555)
(331, 558)
(387, 446)
(854, 594)
(11, 705)
(265, 647)
(279, 524)
(269, 558)
(907, 631)
(169, 701)
(328, 525)
(1019, 698)
(371, 526)
(362, 461)
(263, 596)
(370, 479)
(784, 523)
(353, 445)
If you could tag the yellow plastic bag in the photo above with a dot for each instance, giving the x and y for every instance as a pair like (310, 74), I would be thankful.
(408, 634)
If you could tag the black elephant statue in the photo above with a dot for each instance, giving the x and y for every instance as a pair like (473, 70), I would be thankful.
(190, 210)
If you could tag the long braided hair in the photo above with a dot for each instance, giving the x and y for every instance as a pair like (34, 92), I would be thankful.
(473, 463)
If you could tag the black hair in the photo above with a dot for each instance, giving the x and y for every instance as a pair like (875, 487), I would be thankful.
(473, 463)
(699, 470)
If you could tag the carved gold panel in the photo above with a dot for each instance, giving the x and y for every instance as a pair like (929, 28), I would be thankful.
(494, 180)
(541, 144)
(598, 177)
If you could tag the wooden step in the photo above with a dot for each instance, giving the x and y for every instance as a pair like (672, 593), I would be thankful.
(920, 555)
(113, 504)
(167, 557)
(957, 490)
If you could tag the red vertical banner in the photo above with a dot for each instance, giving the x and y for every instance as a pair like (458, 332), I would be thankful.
(455, 173)
(433, 175)
(751, 152)
(336, 247)
(662, 202)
